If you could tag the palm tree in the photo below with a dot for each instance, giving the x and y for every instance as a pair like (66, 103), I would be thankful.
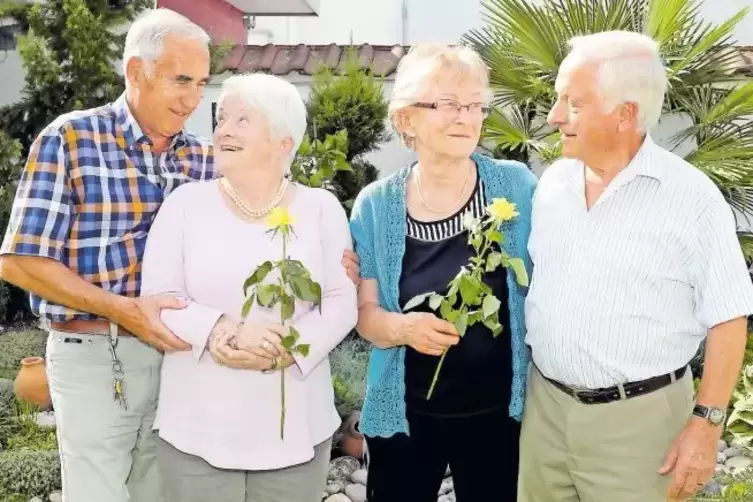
(524, 43)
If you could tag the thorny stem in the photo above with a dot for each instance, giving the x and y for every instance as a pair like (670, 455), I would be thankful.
(283, 286)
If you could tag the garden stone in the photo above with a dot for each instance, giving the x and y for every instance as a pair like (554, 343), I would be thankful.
(45, 419)
(360, 476)
(447, 486)
(713, 488)
(720, 457)
(734, 451)
(333, 488)
(342, 468)
(721, 470)
(56, 497)
(356, 493)
(721, 445)
(36, 499)
(338, 498)
(739, 463)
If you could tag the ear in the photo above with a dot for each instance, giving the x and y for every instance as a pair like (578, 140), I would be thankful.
(404, 123)
(286, 146)
(628, 117)
(135, 71)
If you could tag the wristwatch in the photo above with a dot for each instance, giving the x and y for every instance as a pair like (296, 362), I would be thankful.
(715, 416)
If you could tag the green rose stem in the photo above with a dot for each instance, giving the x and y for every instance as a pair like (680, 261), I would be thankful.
(478, 303)
(294, 282)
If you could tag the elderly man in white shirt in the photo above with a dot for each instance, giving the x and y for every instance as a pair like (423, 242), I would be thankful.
(636, 261)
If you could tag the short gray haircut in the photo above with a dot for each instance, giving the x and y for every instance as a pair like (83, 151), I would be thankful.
(417, 69)
(276, 98)
(146, 37)
(630, 69)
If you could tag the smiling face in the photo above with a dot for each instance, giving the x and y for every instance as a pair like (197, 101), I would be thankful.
(587, 128)
(163, 98)
(244, 138)
(443, 129)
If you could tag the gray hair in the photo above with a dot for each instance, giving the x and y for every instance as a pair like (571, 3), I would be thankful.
(276, 98)
(146, 37)
(630, 71)
(417, 69)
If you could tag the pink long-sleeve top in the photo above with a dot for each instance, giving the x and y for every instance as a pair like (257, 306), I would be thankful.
(199, 249)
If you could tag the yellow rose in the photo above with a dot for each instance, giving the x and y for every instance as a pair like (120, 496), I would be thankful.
(502, 210)
(280, 217)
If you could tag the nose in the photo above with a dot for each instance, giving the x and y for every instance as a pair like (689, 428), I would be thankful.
(192, 97)
(556, 115)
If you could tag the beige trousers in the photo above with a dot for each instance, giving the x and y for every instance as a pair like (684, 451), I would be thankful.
(108, 454)
(188, 478)
(572, 452)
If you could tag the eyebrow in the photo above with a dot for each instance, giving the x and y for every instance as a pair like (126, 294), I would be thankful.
(186, 78)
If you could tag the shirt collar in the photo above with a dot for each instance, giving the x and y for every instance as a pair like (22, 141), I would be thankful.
(645, 162)
(132, 131)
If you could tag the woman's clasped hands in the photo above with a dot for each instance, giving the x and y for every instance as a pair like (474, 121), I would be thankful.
(250, 345)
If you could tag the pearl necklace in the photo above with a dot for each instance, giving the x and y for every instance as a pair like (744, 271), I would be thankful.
(423, 201)
(255, 213)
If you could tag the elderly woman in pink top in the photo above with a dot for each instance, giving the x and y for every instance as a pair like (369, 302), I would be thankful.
(219, 404)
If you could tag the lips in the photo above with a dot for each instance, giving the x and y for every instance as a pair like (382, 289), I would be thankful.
(179, 114)
(230, 148)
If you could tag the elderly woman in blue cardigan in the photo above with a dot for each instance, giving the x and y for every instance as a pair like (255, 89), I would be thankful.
(410, 239)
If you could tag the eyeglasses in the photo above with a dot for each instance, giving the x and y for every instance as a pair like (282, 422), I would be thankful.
(451, 109)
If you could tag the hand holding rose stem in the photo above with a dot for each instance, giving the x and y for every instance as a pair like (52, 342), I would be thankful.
(294, 282)
(477, 300)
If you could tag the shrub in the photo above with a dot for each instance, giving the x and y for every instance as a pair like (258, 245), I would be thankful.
(349, 363)
(30, 473)
(16, 345)
(354, 102)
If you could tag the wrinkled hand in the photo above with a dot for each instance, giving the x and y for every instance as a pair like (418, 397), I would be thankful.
(352, 266)
(692, 459)
(263, 339)
(223, 349)
(141, 316)
(428, 334)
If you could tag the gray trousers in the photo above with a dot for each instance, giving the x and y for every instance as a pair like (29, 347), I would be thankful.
(107, 453)
(187, 478)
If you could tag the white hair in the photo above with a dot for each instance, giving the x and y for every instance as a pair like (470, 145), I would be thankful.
(419, 67)
(146, 37)
(630, 71)
(276, 98)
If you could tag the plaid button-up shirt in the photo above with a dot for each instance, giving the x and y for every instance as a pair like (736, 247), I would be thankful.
(89, 193)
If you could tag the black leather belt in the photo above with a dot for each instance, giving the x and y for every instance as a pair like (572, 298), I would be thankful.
(619, 392)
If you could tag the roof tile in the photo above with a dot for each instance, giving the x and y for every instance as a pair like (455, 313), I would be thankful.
(306, 59)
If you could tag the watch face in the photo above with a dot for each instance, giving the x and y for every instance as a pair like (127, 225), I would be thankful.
(716, 416)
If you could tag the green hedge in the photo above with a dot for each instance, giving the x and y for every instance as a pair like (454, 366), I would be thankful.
(30, 473)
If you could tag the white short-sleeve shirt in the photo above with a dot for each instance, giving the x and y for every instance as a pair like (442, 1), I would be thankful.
(627, 290)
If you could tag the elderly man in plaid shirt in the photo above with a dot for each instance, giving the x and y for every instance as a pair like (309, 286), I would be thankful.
(93, 182)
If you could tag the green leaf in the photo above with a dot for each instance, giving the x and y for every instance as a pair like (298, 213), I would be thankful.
(461, 323)
(493, 261)
(519, 268)
(259, 274)
(288, 342)
(474, 317)
(469, 290)
(304, 349)
(416, 301)
(435, 301)
(495, 236)
(452, 315)
(295, 267)
(445, 310)
(266, 294)
(247, 305)
(294, 333)
(492, 323)
(305, 289)
(491, 305)
(288, 307)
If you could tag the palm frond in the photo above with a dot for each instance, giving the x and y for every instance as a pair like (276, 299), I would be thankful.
(746, 243)
(509, 128)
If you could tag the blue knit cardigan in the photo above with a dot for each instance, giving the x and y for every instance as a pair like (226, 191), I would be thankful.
(378, 226)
